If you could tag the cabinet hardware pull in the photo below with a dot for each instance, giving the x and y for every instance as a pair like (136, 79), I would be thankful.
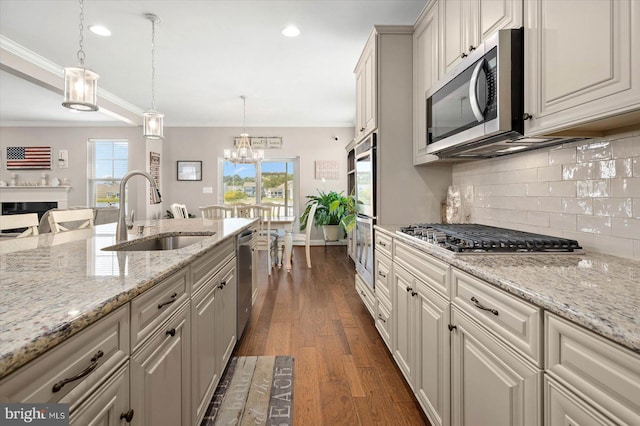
(479, 306)
(128, 416)
(168, 302)
(382, 244)
(171, 332)
(527, 116)
(452, 327)
(409, 289)
(382, 275)
(362, 129)
(413, 293)
(463, 55)
(222, 284)
(472, 48)
(381, 319)
(80, 375)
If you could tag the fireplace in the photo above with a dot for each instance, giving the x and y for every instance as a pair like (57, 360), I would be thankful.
(32, 199)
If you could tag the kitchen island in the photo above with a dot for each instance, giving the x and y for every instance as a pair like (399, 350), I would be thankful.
(54, 285)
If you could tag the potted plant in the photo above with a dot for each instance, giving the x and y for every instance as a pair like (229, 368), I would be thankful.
(334, 211)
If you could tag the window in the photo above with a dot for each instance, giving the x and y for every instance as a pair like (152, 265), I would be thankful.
(272, 180)
(108, 163)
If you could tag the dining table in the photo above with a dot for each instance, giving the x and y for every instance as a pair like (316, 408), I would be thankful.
(285, 223)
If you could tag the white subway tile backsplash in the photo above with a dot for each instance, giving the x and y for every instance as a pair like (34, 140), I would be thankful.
(549, 173)
(594, 224)
(594, 150)
(628, 187)
(538, 219)
(577, 205)
(614, 207)
(625, 227)
(538, 189)
(592, 188)
(585, 190)
(562, 221)
(562, 155)
(562, 189)
(550, 204)
(626, 148)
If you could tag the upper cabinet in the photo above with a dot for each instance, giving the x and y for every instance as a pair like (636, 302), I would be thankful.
(366, 89)
(425, 74)
(582, 65)
(467, 23)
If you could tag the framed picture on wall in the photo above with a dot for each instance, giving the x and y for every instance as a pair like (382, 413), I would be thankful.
(189, 170)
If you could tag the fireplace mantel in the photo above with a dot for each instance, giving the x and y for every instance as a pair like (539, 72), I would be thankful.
(20, 194)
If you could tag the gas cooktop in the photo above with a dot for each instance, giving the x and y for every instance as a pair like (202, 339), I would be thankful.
(474, 238)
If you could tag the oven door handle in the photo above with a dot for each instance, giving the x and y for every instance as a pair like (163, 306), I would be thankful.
(473, 92)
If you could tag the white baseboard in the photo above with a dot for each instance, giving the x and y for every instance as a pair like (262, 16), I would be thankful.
(322, 243)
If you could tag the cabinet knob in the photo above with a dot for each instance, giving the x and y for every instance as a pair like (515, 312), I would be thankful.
(362, 129)
(409, 289)
(527, 116)
(171, 332)
(472, 48)
(463, 55)
(128, 416)
(413, 293)
(451, 327)
(222, 284)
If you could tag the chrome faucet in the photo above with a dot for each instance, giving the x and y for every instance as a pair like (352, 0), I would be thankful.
(121, 228)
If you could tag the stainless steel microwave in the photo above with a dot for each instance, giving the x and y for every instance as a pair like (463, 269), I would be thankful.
(477, 110)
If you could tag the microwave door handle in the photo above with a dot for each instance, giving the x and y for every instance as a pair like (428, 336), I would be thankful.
(473, 96)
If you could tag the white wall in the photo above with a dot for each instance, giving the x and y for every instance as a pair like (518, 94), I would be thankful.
(206, 144)
(588, 191)
(74, 139)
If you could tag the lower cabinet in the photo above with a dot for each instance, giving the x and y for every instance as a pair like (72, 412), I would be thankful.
(490, 383)
(564, 407)
(226, 316)
(109, 405)
(366, 294)
(160, 374)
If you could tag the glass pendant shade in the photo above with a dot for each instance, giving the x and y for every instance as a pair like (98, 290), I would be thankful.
(153, 125)
(80, 89)
(244, 153)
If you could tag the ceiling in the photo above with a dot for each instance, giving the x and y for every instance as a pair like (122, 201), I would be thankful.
(207, 54)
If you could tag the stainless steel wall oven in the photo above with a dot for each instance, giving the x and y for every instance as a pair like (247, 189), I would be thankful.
(365, 195)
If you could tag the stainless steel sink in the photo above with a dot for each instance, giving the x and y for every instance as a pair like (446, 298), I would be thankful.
(159, 242)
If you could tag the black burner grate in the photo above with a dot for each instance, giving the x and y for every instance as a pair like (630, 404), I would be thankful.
(471, 237)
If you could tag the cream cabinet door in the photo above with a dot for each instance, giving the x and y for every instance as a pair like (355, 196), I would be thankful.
(581, 62)
(490, 383)
(467, 23)
(160, 375)
(425, 74)
(226, 311)
(365, 72)
(109, 405)
(564, 407)
(433, 354)
(403, 314)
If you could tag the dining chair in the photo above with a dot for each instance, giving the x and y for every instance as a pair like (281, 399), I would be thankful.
(236, 206)
(66, 220)
(306, 237)
(179, 211)
(19, 221)
(266, 240)
(216, 212)
(276, 208)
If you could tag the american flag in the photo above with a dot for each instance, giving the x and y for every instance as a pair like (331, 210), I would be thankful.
(28, 157)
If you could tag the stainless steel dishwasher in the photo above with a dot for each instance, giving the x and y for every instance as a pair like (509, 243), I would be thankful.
(244, 273)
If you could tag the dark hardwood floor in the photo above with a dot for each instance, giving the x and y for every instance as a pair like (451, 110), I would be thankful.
(344, 374)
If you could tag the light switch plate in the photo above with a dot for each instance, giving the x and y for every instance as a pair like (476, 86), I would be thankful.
(207, 190)
(63, 159)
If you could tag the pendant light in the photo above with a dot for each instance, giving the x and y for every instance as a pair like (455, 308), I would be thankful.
(153, 127)
(244, 153)
(80, 84)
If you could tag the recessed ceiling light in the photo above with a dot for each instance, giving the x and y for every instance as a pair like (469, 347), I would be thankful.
(100, 30)
(291, 31)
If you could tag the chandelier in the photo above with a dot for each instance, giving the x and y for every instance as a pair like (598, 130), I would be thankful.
(80, 84)
(152, 120)
(243, 152)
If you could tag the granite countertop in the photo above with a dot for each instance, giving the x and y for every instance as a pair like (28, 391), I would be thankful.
(54, 285)
(597, 291)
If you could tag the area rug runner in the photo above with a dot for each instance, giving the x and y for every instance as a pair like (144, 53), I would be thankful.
(254, 390)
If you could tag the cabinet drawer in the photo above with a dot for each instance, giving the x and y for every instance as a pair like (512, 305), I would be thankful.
(425, 267)
(154, 306)
(605, 372)
(382, 275)
(366, 295)
(561, 404)
(206, 266)
(518, 322)
(383, 323)
(383, 242)
(97, 351)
